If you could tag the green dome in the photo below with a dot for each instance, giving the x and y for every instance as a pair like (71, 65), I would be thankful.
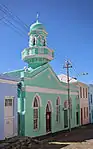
(37, 25)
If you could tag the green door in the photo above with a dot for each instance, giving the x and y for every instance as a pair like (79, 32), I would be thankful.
(77, 118)
(65, 118)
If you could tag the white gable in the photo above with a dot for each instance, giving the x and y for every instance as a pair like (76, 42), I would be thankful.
(63, 78)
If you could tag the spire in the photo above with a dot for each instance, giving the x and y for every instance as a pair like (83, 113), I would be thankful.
(37, 18)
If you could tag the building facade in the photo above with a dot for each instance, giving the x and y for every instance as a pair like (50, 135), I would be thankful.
(84, 103)
(42, 97)
(8, 107)
(90, 97)
(83, 97)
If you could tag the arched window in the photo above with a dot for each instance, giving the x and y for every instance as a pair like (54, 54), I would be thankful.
(58, 109)
(36, 112)
(48, 107)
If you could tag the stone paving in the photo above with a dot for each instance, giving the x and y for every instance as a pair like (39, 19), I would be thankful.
(79, 138)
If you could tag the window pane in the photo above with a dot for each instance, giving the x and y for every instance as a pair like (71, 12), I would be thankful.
(6, 102)
(84, 113)
(35, 102)
(86, 92)
(57, 102)
(80, 92)
(83, 93)
(47, 108)
(35, 123)
(35, 113)
(10, 102)
(57, 113)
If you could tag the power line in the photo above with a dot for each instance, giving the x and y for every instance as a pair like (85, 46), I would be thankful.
(77, 74)
(15, 18)
(25, 25)
(8, 20)
(13, 27)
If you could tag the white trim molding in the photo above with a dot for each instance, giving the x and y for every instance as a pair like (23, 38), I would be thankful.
(8, 81)
(46, 90)
(49, 102)
(37, 95)
(37, 55)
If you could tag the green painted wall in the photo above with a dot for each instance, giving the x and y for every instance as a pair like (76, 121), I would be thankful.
(43, 77)
(41, 80)
(29, 131)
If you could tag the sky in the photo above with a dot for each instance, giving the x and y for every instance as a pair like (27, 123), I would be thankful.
(69, 24)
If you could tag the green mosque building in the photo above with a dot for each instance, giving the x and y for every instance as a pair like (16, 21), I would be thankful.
(42, 97)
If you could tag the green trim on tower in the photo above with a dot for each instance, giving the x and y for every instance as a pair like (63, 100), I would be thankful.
(37, 54)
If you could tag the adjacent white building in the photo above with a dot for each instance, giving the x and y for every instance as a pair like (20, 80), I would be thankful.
(8, 107)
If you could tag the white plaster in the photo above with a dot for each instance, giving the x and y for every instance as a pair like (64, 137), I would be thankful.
(8, 81)
(9, 117)
(46, 90)
(38, 55)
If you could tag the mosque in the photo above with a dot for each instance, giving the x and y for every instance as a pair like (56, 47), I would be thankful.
(42, 98)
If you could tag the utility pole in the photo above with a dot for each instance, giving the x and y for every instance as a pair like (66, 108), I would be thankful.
(67, 66)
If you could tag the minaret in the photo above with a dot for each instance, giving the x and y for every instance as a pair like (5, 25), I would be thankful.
(37, 54)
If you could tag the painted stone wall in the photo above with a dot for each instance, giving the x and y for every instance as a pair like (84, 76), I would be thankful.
(7, 90)
(46, 84)
(84, 104)
(56, 126)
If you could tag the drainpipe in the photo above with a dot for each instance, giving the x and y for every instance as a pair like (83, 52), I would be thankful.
(21, 115)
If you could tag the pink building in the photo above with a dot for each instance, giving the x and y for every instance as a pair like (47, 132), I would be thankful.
(84, 104)
(83, 96)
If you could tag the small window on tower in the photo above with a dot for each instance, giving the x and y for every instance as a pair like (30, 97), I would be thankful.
(44, 43)
(33, 41)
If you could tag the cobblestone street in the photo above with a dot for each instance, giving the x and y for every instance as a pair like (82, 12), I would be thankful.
(79, 138)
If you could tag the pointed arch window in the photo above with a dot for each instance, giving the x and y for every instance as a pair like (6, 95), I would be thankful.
(47, 108)
(36, 113)
(58, 109)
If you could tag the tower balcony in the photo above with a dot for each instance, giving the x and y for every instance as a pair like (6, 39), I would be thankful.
(37, 52)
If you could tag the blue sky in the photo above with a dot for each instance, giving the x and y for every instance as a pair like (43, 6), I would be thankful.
(69, 24)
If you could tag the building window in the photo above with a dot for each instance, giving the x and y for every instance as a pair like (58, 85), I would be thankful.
(87, 111)
(44, 44)
(36, 112)
(57, 110)
(80, 92)
(8, 102)
(91, 98)
(65, 104)
(71, 112)
(86, 92)
(33, 41)
(83, 93)
(84, 112)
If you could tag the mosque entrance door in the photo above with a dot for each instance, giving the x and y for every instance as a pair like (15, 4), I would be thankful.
(48, 118)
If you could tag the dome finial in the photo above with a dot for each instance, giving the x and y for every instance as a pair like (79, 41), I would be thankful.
(37, 16)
